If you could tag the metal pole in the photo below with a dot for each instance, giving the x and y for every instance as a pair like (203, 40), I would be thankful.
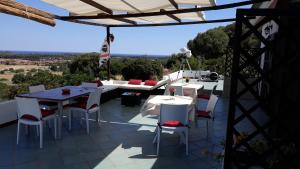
(108, 62)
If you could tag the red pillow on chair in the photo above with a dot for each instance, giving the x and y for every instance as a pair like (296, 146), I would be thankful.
(135, 82)
(150, 82)
(99, 83)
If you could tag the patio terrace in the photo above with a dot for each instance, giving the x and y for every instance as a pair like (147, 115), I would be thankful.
(124, 140)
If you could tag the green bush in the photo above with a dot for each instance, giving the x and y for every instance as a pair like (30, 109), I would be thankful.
(85, 64)
(3, 91)
(75, 79)
(19, 78)
(142, 69)
(19, 71)
(33, 70)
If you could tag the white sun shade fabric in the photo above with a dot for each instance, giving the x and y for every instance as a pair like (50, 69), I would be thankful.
(78, 7)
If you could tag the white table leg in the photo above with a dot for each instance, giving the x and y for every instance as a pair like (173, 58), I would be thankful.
(60, 114)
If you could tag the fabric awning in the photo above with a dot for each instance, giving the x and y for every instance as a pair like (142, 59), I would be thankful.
(112, 7)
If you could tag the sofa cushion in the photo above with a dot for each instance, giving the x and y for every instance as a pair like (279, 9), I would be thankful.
(150, 82)
(135, 81)
(99, 83)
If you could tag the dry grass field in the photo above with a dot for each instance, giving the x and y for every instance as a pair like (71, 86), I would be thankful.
(25, 67)
(8, 75)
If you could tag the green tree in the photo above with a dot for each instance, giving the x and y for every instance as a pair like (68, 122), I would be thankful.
(142, 69)
(210, 44)
(86, 64)
(19, 78)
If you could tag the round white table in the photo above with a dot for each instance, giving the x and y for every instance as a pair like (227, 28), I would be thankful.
(152, 104)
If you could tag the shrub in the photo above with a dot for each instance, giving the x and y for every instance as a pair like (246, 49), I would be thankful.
(3, 90)
(19, 70)
(76, 79)
(19, 78)
(85, 64)
(33, 70)
(142, 69)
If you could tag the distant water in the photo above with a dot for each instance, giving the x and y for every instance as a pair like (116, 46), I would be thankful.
(11, 52)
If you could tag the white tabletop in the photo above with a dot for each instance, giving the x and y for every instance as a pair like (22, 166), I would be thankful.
(152, 104)
(189, 89)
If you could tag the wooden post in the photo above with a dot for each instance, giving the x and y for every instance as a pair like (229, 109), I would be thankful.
(108, 62)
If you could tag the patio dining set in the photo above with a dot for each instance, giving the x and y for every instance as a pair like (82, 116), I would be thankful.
(175, 111)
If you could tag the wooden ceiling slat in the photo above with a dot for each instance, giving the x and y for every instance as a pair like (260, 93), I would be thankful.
(172, 16)
(98, 6)
(127, 21)
(174, 4)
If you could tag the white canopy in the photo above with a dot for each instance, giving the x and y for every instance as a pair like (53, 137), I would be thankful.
(113, 7)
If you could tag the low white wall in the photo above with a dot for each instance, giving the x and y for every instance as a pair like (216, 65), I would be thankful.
(8, 111)
(194, 73)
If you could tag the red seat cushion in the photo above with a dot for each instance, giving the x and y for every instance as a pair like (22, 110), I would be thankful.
(48, 103)
(202, 113)
(203, 96)
(137, 93)
(173, 123)
(99, 83)
(135, 81)
(45, 113)
(150, 82)
(82, 99)
(81, 105)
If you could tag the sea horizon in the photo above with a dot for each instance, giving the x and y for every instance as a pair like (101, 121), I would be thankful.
(21, 52)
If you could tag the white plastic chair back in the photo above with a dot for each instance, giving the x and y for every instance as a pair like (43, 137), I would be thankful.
(86, 84)
(213, 99)
(37, 88)
(174, 112)
(28, 106)
(179, 90)
(94, 98)
(214, 89)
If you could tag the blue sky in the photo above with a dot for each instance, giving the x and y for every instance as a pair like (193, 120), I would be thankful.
(25, 35)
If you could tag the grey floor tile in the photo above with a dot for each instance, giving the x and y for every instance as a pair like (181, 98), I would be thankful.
(124, 140)
(82, 165)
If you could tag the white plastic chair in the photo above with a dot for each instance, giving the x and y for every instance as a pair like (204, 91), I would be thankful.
(208, 113)
(173, 118)
(29, 113)
(179, 90)
(86, 84)
(206, 96)
(37, 88)
(46, 105)
(92, 105)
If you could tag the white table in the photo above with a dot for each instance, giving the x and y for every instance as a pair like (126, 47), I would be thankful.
(189, 89)
(152, 104)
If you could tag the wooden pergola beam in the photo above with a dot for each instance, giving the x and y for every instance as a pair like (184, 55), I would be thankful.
(22, 7)
(126, 21)
(87, 23)
(176, 24)
(172, 16)
(25, 14)
(174, 4)
(98, 6)
(179, 11)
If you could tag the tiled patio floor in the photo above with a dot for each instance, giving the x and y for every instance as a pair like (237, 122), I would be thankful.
(124, 141)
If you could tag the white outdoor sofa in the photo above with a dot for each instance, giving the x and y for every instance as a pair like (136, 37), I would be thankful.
(113, 84)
